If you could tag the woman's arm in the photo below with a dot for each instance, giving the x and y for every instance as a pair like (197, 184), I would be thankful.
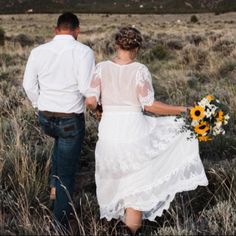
(164, 109)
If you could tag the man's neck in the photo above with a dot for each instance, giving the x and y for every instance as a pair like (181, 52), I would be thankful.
(61, 33)
(65, 32)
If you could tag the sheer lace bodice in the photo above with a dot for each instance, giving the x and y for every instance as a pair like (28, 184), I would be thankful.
(122, 85)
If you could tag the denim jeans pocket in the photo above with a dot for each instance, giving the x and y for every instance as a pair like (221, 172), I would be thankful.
(71, 127)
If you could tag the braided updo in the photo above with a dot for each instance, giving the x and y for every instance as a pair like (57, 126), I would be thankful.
(128, 38)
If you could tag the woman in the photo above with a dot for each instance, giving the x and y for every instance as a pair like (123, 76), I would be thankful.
(141, 161)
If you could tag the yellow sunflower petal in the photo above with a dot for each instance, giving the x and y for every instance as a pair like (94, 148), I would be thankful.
(210, 98)
(220, 116)
(197, 113)
(202, 128)
(204, 138)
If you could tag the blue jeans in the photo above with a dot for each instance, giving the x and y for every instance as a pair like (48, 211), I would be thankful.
(68, 134)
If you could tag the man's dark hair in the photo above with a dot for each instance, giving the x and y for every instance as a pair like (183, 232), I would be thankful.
(68, 20)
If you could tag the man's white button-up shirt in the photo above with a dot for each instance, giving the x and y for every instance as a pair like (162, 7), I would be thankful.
(58, 74)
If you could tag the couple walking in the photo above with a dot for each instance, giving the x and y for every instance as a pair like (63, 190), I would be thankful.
(141, 161)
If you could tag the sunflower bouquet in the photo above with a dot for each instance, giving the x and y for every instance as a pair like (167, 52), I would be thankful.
(207, 119)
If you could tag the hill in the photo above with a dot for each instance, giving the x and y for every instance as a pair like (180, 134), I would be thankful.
(117, 6)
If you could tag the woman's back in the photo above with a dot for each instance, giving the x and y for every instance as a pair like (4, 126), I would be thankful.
(123, 85)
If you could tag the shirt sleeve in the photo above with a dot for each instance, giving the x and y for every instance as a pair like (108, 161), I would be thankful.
(95, 85)
(86, 69)
(144, 88)
(30, 81)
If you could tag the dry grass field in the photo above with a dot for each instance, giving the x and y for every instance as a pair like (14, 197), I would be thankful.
(187, 61)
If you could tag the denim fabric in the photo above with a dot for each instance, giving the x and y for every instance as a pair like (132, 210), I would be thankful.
(68, 134)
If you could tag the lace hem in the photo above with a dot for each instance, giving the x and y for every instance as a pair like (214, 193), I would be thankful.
(152, 200)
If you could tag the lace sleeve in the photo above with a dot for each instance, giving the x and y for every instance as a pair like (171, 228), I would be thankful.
(95, 85)
(144, 87)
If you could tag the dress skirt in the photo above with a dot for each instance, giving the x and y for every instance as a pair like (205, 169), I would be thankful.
(142, 162)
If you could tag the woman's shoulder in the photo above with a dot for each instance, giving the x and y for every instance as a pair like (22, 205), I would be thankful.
(101, 63)
(142, 68)
(137, 66)
(110, 62)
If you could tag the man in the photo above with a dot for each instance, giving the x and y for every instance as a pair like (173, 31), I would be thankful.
(56, 78)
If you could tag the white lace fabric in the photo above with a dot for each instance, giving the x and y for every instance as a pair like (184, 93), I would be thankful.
(122, 85)
(157, 195)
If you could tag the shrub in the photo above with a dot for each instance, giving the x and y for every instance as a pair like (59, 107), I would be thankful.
(227, 67)
(23, 39)
(9, 60)
(158, 52)
(194, 19)
(2, 37)
(202, 77)
(3, 76)
(5, 59)
(39, 40)
(224, 45)
(194, 57)
(193, 82)
(195, 39)
(176, 44)
(89, 43)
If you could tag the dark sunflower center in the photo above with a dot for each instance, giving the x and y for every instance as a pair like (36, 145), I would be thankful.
(202, 127)
(197, 113)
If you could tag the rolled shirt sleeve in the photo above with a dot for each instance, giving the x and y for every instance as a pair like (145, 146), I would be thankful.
(30, 81)
(95, 85)
(86, 67)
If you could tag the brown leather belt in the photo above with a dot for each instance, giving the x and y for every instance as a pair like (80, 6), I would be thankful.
(58, 114)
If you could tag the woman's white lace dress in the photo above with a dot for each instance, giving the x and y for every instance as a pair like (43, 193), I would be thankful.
(141, 161)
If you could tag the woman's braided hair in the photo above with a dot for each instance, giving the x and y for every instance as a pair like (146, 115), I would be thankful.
(128, 38)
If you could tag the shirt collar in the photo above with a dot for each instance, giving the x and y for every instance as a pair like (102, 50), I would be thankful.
(63, 37)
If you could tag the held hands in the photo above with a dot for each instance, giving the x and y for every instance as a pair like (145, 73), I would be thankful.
(96, 108)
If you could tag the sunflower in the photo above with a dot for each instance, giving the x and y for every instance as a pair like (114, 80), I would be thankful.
(204, 138)
(202, 128)
(197, 113)
(220, 115)
(210, 98)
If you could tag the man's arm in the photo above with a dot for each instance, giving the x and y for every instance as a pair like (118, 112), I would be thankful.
(86, 70)
(30, 82)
